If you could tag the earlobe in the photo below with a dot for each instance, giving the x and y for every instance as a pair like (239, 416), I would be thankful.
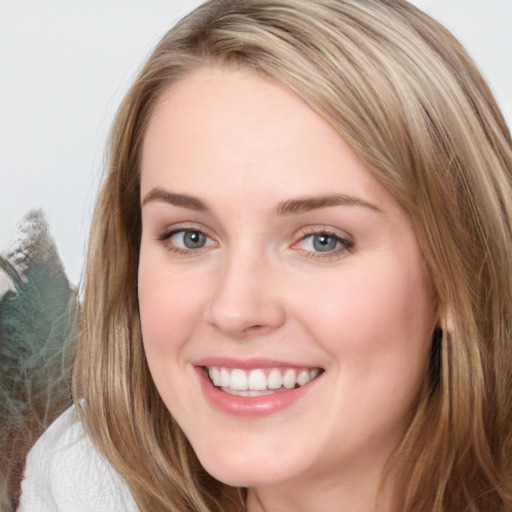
(446, 320)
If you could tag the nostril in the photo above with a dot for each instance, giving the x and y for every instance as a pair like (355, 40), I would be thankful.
(256, 329)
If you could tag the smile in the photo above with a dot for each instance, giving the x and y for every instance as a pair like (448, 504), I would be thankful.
(260, 381)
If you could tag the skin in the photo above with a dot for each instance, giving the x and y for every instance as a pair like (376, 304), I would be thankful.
(259, 288)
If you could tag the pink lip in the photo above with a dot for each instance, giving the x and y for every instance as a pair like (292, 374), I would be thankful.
(249, 407)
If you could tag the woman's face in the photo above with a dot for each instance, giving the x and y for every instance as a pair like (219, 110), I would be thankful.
(272, 259)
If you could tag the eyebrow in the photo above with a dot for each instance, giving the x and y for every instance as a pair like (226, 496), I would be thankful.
(289, 207)
(294, 206)
(160, 195)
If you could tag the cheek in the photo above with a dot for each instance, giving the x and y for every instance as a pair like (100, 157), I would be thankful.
(377, 330)
(168, 305)
(371, 313)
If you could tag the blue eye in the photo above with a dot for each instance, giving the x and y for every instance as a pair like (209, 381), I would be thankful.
(185, 240)
(324, 243)
(190, 239)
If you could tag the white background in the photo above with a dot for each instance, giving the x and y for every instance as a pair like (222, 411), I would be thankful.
(65, 65)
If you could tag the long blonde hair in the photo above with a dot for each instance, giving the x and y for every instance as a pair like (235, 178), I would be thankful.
(401, 90)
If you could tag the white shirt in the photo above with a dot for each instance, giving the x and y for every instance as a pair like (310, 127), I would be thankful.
(66, 473)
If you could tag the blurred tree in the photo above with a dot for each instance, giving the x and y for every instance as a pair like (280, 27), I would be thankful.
(37, 331)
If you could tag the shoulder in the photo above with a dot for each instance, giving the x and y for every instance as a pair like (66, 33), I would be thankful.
(66, 472)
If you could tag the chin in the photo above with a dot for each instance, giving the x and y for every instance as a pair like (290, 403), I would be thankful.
(239, 470)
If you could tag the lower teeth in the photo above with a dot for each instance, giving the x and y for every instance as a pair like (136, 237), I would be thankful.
(251, 392)
(248, 392)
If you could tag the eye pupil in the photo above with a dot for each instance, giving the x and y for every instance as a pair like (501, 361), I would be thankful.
(323, 243)
(194, 239)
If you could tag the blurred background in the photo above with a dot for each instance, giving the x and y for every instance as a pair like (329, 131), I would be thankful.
(64, 67)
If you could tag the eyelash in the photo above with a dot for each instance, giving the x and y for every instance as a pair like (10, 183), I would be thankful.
(342, 244)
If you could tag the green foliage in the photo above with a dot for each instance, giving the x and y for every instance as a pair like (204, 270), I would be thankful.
(37, 330)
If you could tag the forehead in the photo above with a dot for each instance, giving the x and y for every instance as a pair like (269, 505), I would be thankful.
(235, 127)
(218, 101)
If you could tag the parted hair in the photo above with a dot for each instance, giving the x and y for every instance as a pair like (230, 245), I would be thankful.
(402, 91)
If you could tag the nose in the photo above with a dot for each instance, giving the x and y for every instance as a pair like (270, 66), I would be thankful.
(246, 299)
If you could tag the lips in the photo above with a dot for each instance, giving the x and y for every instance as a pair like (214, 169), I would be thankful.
(256, 387)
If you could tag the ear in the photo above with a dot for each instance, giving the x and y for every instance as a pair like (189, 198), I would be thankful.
(446, 320)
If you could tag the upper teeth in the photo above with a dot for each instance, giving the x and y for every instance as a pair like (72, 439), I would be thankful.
(259, 379)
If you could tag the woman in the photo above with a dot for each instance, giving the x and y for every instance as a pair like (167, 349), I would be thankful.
(298, 288)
